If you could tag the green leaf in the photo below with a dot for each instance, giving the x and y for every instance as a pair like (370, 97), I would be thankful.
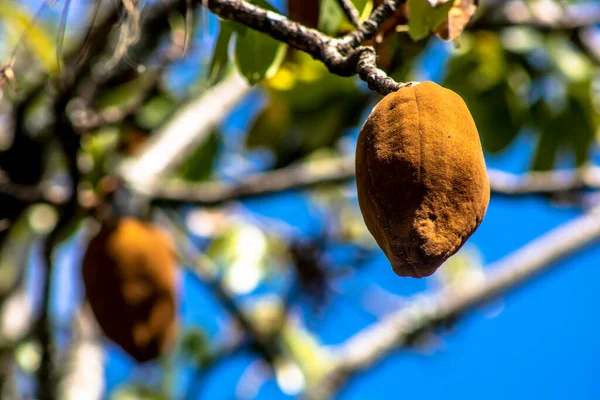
(258, 56)
(549, 137)
(498, 117)
(309, 113)
(195, 346)
(16, 18)
(330, 17)
(155, 112)
(480, 77)
(424, 18)
(220, 57)
(199, 165)
(570, 129)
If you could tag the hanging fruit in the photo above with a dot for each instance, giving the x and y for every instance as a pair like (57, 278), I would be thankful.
(129, 274)
(422, 183)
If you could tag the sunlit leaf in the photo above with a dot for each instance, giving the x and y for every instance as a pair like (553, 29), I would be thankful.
(310, 111)
(569, 129)
(155, 111)
(220, 58)
(457, 19)
(425, 18)
(137, 392)
(257, 56)
(16, 19)
(241, 251)
(28, 356)
(480, 77)
(199, 165)
(330, 16)
(14, 252)
(573, 64)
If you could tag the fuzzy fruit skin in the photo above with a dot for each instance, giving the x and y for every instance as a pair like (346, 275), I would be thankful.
(130, 278)
(421, 178)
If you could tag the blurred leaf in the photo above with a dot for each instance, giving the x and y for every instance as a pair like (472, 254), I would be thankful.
(42, 218)
(269, 125)
(499, 116)
(457, 19)
(155, 111)
(199, 165)
(521, 39)
(425, 18)
(267, 314)
(14, 252)
(241, 250)
(570, 129)
(28, 356)
(137, 392)
(549, 137)
(258, 56)
(124, 94)
(308, 109)
(330, 16)
(479, 75)
(573, 64)
(195, 346)
(16, 19)
(220, 58)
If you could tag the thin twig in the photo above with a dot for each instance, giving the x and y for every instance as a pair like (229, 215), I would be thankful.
(350, 11)
(368, 29)
(369, 346)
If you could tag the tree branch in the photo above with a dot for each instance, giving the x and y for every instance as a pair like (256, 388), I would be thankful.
(337, 170)
(368, 29)
(378, 340)
(84, 368)
(350, 11)
(30, 194)
(343, 57)
(182, 134)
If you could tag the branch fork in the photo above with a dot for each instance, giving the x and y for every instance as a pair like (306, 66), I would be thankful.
(344, 56)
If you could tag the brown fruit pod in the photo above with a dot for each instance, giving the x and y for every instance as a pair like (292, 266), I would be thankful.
(421, 178)
(130, 278)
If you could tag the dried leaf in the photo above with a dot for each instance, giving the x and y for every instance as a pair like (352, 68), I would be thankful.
(458, 17)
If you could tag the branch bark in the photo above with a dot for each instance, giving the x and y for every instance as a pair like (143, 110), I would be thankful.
(350, 11)
(378, 340)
